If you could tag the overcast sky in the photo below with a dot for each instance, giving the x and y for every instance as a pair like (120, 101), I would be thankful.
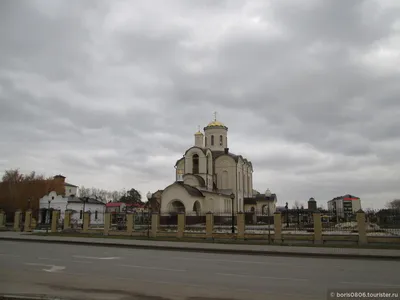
(110, 93)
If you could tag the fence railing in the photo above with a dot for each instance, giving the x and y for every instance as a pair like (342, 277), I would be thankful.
(248, 225)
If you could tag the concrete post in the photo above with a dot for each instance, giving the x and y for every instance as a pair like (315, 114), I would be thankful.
(129, 223)
(67, 219)
(54, 220)
(86, 221)
(317, 228)
(240, 225)
(209, 225)
(17, 220)
(277, 228)
(107, 222)
(2, 219)
(28, 220)
(181, 225)
(155, 220)
(362, 229)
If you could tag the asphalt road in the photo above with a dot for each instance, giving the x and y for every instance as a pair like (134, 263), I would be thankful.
(83, 272)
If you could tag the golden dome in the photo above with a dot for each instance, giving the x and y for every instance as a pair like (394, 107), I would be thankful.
(198, 133)
(215, 123)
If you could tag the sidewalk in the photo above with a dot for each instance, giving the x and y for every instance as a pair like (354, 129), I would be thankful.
(209, 247)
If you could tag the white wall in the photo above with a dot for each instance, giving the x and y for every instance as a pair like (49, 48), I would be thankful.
(70, 190)
(88, 207)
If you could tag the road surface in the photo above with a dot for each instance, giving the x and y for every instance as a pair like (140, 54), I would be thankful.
(88, 272)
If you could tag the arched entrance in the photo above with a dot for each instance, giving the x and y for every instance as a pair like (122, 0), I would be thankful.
(176, 206)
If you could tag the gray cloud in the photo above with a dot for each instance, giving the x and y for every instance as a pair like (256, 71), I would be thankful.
(110, 93)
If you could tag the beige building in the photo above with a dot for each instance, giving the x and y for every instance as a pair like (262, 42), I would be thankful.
(208, 174)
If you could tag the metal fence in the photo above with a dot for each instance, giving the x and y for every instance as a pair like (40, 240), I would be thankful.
(297, 221)
(142, 221)
(259, 222)
(223, 222)
(195, 222)
(385, 222)
(168, 222)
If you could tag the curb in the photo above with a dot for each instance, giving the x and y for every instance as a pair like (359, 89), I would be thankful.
(205, 250)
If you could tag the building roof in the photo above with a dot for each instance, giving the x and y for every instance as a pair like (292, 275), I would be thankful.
(191, 190)
(259, 197)
(198, 133)
(114, 204)
(81, 200)
(71, 185)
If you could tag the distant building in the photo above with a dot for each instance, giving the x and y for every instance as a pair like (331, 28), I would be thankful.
(312, 204)
(344, 205)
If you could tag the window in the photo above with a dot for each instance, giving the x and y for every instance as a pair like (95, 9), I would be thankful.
(95, 215)
(220, 140)
(206, 141)
(195, 164)
(208, 160)
(80, 214)
(239, 181)
(212, 140)
(70, 190)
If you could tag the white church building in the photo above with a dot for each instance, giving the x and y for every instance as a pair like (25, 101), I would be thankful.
(209, 176)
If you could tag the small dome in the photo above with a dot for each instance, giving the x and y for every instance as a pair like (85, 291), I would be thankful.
(268, 192)
(312, 200)
(215, 123)
(198, 133)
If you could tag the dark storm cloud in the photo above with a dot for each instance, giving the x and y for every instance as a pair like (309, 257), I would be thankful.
(110, 93)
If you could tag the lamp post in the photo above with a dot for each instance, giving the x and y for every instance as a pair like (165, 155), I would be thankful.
(232, 196)
(287, 215)
(84, 199)
(149, 195)
(48, 218)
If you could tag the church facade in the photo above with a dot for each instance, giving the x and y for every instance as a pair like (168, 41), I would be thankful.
(208, 176)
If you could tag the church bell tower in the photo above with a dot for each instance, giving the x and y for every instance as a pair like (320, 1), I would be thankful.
(216, 135)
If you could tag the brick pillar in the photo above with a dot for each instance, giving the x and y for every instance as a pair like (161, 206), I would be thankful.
(277, 228)
(86, 221)
(209, 225)
(67, 219)
(155, 220)
(240, 225)
(17, 220)
(54, 220)
(362, 229)
(317, 228)
(129, 223)
(2, 219)
(181, 225)
(107, 222)
(28, 220)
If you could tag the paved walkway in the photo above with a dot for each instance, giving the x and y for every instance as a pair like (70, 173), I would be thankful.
(209, 247)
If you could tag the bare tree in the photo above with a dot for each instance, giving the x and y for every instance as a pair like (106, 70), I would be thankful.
(394, 204)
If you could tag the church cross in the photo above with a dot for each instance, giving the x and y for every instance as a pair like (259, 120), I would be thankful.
(215, 116)
(198, 128)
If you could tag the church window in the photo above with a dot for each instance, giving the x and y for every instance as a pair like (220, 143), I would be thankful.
(212, 140)
(195, 164)
(208, 161)
(220, 140)
(206, 141)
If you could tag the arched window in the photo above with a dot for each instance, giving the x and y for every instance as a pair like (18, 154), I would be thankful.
(212, 140)
(195, 164)
(208, 161)
(95, 215)
(220, 140)
(206, 141)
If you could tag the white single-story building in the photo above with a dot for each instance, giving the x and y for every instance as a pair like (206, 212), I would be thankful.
(78, 205)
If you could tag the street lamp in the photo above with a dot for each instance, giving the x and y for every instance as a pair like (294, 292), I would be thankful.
(48, 213)
(232, 196)
(149, 195)
(287, 215)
